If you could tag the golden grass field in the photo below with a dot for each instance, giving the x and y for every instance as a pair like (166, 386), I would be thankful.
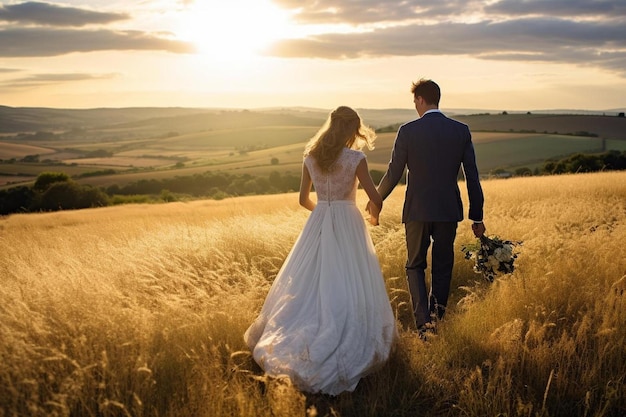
(139, 310)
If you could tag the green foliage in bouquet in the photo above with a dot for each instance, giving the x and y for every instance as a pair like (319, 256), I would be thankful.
(492, 256)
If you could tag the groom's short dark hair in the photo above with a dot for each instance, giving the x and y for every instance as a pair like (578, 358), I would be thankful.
(428, 89)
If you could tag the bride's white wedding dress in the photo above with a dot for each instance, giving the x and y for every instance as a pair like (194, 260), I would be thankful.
(327, 320)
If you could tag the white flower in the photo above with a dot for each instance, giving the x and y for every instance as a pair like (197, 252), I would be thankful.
(503, 254)
(492, 256)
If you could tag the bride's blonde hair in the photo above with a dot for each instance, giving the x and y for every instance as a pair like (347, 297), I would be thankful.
(342, 129)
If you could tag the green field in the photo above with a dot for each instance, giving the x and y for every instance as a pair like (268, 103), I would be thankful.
(520, 149)
(618, 145)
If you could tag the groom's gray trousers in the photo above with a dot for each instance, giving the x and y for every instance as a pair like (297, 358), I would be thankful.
(418, 239)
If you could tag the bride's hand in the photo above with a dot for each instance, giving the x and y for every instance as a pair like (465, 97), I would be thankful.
(374, 213)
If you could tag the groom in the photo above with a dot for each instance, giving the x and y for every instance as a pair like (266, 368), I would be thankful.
(433, 148)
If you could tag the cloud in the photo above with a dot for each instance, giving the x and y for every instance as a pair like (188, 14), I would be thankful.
(38, 42)
(8, 70)
(51, 15)
(38, 80)
(561, 31)
(606, 8)
(49, 30)
(357, 12)
(525, 30)
(372, 11)
(538, 35)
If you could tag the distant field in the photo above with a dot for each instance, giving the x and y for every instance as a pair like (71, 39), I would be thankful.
(13, 179)
(253, 163)
(265, 136)
(609, 127)
(120, 161)
(34, 169)
(617, 145)
(257, 143)
(10, 150)
(520, 149)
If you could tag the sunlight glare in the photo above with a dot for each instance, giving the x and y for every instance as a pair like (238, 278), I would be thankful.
(233, 30)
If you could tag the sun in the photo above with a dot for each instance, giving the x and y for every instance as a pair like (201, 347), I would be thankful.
(233, 29)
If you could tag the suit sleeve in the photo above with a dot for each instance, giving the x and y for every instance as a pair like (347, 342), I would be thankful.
(472, 181)
(396, 166)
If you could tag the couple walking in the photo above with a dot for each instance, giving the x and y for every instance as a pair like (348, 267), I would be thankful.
(327, 320)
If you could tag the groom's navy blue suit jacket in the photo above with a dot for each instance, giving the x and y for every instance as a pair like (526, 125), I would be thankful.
(433, 148)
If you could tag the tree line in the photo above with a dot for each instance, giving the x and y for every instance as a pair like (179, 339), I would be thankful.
(580, 162)
(53, 191)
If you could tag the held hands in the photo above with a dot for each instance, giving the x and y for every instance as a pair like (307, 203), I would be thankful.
(374, 212)
(478, 229)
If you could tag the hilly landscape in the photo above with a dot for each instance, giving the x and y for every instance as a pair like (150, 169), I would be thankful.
(139, 309)
(115, 147)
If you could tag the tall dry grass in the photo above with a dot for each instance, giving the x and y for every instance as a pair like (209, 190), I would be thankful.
(140, 310)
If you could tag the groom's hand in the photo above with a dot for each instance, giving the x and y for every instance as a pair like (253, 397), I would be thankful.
(478, 229)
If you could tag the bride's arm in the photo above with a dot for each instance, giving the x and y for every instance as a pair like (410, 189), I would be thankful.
(305, 189)
(376, 202)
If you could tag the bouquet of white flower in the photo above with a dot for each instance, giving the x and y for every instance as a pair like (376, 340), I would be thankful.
(492, 256)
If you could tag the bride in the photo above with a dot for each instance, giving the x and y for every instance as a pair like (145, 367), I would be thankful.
(327, 320)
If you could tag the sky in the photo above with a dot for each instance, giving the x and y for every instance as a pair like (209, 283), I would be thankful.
(513, 55)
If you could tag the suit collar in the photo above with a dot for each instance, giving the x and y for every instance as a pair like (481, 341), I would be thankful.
(432, 112)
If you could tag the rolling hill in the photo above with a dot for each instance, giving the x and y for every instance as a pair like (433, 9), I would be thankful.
(116, 146)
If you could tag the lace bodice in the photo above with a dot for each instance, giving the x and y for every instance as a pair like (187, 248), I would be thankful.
(340, 183)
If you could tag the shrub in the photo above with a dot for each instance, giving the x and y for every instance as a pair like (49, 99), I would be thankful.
(46, 179)
(168, 196)
(70, 195)
(131, 199)
(523, 172)
(15, 199)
